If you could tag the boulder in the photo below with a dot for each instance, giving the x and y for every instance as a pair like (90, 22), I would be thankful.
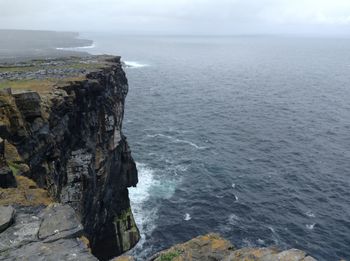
(7, 215)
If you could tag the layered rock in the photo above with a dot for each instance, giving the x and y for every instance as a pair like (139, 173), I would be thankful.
(69, 137)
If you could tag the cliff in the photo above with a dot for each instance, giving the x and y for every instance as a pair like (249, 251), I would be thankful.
(61, 129)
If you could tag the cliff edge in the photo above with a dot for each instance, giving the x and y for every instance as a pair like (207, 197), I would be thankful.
(61, 141)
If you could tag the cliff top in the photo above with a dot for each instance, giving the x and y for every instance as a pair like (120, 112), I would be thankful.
(44, 75)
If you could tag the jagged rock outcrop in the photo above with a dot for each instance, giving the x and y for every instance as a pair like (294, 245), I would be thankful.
(70, 142)
(214, 248)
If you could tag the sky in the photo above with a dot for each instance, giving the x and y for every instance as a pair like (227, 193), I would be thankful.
(202, 17)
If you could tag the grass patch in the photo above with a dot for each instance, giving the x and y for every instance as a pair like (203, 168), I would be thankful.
(38, 67)
(169, 256)
(38, 85)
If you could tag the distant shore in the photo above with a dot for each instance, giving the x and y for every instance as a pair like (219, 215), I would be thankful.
(21, 45)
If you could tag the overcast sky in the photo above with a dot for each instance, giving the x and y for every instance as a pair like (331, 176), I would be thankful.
(180, 16)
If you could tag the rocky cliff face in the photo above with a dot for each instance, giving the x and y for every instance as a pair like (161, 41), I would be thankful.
(67, 137)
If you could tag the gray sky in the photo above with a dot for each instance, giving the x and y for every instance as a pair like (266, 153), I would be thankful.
(330, 17)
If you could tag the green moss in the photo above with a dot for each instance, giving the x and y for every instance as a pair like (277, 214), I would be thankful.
(169, 256)
(14, 167)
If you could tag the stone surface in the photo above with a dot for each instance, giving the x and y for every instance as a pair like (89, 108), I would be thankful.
(58, 230)
(7, 215)
(59, 221)
(214, 248)
(23, 231)
(69, 249)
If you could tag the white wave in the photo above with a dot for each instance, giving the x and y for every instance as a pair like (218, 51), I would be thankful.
(310, 226)
(76, 48)
(233, 219)
(272, 229)
(236, 198)
(233, 185)
(187, 217)
(261, 241)
(310, 214)
(176, 140)
(134, 64)
(143, 216)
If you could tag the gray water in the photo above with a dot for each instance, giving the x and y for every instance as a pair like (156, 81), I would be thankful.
(245, 136)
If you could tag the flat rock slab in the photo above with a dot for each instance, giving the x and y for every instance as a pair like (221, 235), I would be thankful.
(59, 221)
(63, 249)
(23, 231)
(7, 215)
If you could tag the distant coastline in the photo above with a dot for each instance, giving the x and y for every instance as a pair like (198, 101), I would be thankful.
(18, 45)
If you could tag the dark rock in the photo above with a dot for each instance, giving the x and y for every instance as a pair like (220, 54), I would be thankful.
(28, 103)
(7, 180)
(7, 215)
(59, 221)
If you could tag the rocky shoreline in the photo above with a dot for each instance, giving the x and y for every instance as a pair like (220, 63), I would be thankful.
(65, 168)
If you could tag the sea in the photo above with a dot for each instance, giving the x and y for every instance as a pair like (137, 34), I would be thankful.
(245, 136)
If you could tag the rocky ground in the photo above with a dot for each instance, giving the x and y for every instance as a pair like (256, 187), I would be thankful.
(39, 233)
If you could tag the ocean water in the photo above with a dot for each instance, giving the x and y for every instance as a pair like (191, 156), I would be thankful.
(245, 136)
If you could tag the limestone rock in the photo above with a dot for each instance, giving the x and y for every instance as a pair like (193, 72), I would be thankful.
(59, 221)
(58, 228)
(214, 248)
(203, 248)
(69, 249)
(23, 231)
(7, 215)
